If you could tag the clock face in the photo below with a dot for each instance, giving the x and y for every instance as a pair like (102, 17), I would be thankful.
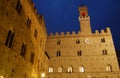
(87, 41)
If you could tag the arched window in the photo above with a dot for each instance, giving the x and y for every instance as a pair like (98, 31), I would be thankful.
(70, 69)
(50, 69)
(60, 69)
(108, 68)
(81, 68)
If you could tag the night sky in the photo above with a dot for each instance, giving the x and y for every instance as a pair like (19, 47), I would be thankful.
(62, 15)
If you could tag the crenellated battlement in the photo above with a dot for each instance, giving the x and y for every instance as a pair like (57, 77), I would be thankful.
(102, 32)
(106, 31)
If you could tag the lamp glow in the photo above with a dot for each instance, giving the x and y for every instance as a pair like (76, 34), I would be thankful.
(1, 77)
(43, 75)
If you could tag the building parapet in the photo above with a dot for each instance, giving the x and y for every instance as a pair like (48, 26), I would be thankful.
(63, 34)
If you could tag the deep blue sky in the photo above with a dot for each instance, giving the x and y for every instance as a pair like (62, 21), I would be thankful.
(62, 15)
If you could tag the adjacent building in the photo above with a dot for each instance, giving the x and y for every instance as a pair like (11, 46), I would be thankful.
(22, 40)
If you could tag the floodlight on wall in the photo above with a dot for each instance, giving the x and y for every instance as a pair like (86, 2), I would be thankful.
(42, 75)
(1, 76)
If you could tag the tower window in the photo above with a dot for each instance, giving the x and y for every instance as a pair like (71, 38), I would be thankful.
(50, 69)
(35, 33)
(58, 53)
(23, 50)
(70, 69)
(10, 38)
(58, 42)
(78, 41)
(28, 22)
(32, 57)
(81, 69)
(104, 52)
(60, 69)
(18, 6)
(108, 68)
(79, 53)
(103, 40)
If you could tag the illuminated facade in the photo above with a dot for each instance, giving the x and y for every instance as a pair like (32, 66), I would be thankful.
(83, 54)
(22, 40)
(27, 52)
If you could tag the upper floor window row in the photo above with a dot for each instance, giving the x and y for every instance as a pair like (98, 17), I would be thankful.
(78, 41)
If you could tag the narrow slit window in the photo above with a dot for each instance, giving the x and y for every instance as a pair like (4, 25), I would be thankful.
(18, 6)
(23, 50)
(32, 57)
(9, 39)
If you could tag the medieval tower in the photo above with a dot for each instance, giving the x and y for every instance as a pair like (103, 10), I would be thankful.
(26, 51)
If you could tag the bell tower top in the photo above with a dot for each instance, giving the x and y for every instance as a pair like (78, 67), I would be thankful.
(83, 11)
(84, 19)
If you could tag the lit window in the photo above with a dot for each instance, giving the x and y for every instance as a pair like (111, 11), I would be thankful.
(50, 69)
(81, 69)
(70, 69)
(60, 69)
(108, 68)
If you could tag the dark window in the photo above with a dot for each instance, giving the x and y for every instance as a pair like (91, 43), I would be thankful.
(79, 53)
(58, 53)
(23, 50)
(103, 40)
(10, 38)
(35, 33)
(78, 41)
(104, 52)
(18, 6)
(58, 42)
(28, 22)
(32, 57)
